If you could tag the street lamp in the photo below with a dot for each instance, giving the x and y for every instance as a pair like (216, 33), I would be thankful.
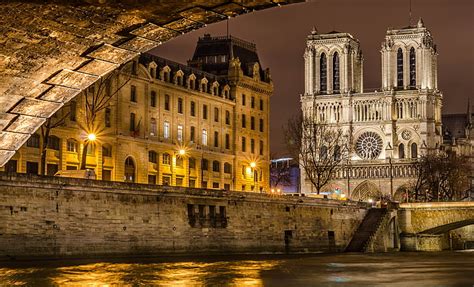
(182, 154)
(253, 165)
(91, 137)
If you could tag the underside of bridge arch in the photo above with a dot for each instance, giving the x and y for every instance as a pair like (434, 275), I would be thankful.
(448, 227)
(51, 50)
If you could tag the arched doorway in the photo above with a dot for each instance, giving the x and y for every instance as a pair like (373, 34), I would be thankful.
(129, 170)
(365, 191)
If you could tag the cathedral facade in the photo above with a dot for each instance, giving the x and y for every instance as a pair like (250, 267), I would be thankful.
(387, 129)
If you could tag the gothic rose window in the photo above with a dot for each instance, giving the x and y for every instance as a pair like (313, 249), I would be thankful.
(369, 145)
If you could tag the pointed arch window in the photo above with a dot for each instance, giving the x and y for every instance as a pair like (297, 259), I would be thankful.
(414, 150)
(401, 151)
(412, 68)
(335, 73)
(399, 68)
(323, 73)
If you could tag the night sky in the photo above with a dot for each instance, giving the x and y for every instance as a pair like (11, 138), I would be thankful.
(280, 35)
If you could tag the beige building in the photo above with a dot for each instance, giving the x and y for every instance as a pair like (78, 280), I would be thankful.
(387, 128)
(205, 124)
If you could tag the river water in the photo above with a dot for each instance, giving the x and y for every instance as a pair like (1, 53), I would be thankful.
(389, 269)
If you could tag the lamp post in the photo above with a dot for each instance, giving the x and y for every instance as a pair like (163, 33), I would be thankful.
(182, 154)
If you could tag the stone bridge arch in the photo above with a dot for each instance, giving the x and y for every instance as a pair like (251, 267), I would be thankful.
(53, 50)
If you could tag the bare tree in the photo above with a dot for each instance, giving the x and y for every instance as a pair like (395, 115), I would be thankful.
(55, 121)
(96, 99)
(319, 147)
(280, 173)
(440, 177)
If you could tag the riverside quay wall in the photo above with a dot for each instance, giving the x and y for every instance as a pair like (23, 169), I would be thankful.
(59, 217)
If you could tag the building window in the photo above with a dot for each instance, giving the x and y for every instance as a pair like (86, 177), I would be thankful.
(412, 68)
(133, 94)
(226, 186)
(216, 115)
(227, 141)
(72, 145)
(107, 117)
(243, 99)
(91, 150)
(335, 73)
(166, 158)
(192, 163)
(33, 141)
(227, 168)
(261, 148)
(166, 130)
(252, 123)
(53, 142)
(399, 68)
(152, 156)
(106, 151)
(261, 104)
(153, 127)
(151, 179)
(179, 161)
(323, 73)
(204, 164)
(32, 167)
(244, 121)
(252, 102)
(204, 112)
(192, 134)
(180, 133)
(227, 117)
(216, 139)
(252, 145)
(11, 166)
(179, 181)
(261, 125)
(204, 137)
(106, 174)
(216, 166)
(73, 110)
(193, 109)
(244, 144)
(401, 151)
(167, 102)
(215, 185)
(132, 122)
(414, 150)
(153, 99)
(180, 105)
(166, 180)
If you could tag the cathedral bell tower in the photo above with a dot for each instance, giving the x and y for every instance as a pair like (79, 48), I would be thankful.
(409, 59)
(333, 64)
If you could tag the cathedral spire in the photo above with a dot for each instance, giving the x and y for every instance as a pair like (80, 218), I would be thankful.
(420, 23)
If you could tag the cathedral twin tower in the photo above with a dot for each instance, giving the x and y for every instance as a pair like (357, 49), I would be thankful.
(396, 123)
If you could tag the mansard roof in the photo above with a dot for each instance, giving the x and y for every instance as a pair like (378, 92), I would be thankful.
(212, 54)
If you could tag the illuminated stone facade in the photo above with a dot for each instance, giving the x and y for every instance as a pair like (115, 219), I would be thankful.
(218, 115)
(387, 129)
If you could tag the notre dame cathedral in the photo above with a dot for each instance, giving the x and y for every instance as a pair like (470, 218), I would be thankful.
(388, 128)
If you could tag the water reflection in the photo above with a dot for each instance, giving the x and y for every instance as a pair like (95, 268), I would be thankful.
(395, 269)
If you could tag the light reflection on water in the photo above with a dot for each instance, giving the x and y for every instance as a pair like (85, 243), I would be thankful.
(393, 269)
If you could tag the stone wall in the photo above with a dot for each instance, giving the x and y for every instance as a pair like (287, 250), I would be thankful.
(57, 217)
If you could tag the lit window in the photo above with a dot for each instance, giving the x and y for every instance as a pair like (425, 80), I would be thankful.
(166, 130)
(153, 127)
(204, 137)
(180, 133)
(166, 158)
(71, 145)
